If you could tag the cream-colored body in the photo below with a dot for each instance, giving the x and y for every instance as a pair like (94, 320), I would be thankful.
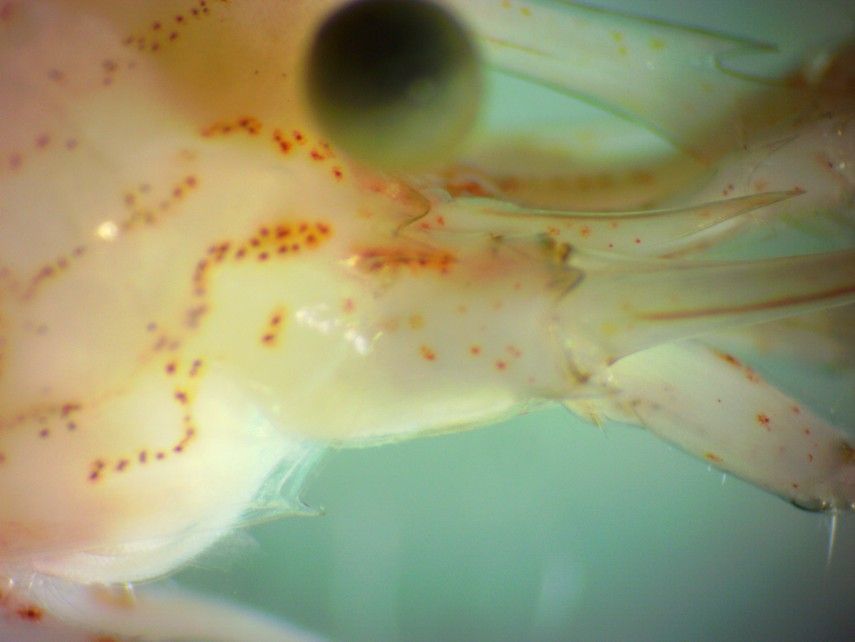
(198, 294)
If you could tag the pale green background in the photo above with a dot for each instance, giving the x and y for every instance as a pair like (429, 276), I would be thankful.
(544, 528)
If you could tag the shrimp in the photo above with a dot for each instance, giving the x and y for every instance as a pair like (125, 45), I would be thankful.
(204, 285)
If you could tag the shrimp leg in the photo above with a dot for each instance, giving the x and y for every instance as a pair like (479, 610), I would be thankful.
(710, 404)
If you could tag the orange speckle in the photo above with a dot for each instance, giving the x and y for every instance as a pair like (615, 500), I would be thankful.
(427, 353)
(501, 365)
(729, 358)
(195, 367)
(377, 259)
(30, 612)
(417, 322)
(68, 408)
(764, 420)
(474, 350)
(281, 141)
(6, 11)
(246, 124)
(713, 458)
(749, 373)
(273, 328)
(470, 187)
(268, 241)
(194, 315)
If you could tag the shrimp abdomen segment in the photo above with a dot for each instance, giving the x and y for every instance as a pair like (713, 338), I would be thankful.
(131, 486)
(39, 608)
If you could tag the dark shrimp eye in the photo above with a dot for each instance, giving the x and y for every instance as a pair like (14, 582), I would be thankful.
(394, 83)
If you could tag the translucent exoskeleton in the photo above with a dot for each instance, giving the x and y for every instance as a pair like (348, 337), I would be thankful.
(200, 292)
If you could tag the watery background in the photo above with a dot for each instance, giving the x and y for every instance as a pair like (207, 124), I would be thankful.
(545, 528)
